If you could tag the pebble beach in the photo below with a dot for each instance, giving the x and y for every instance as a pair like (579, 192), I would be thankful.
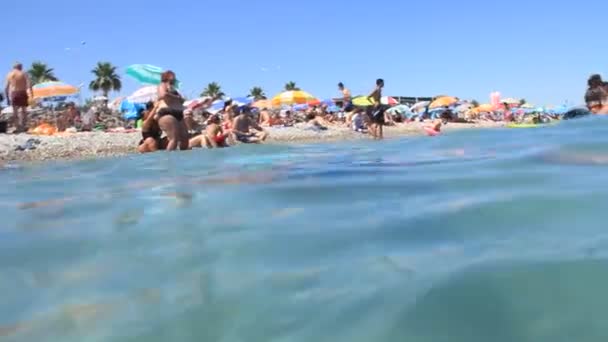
(90, 145)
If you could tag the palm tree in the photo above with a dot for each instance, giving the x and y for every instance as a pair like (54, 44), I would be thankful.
(106, 79)
(474, 103)
(257, 93)
(40, 72)
(214, 90)
(522, 102)
(291, 85)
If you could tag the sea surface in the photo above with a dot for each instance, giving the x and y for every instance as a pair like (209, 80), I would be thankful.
(477, 235)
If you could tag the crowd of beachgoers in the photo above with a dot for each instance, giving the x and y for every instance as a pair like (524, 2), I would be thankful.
(169, 122)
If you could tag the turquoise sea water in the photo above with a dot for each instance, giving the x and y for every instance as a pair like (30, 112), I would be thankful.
(489, 235)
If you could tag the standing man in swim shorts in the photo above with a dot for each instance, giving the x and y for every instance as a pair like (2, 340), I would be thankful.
(17, 86)
(377, 114)
(347, 103)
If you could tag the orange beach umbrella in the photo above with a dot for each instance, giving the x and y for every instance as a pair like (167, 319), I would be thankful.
(443, 101)
(51, 89)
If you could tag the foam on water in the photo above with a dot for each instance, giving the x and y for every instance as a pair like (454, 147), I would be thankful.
(492, 235)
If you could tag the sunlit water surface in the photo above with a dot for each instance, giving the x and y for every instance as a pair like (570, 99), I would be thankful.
(491, 235)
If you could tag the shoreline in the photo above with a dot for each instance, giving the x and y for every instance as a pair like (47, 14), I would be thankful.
(95, 145)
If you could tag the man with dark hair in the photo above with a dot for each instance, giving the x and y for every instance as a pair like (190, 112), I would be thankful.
(242, 125)
(17, 86)
(597, 100)
(595, 81)
(377, 112)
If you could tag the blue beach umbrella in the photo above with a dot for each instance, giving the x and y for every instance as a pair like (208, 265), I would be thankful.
(238, 101)
(130, 109)
(146, 73)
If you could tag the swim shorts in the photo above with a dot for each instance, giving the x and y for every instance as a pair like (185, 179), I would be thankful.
(377, 115)
(19, 98)
(245, 138)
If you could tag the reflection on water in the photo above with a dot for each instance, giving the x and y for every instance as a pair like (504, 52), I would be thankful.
(495, 235)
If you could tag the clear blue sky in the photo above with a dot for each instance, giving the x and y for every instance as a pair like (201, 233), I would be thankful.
(537, 49)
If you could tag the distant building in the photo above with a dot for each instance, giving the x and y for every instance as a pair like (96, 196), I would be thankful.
(410, 100)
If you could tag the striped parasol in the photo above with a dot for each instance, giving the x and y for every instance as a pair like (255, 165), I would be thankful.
(292, 97)
(51, 89)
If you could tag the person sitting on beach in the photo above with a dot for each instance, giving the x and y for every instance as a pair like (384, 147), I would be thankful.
(270, 119)
(242, 125)
(213, 137)
(72, 115)
(230, 109)
(349, 116)
(358, 122)
(313, 119)
(597, 100)
(151, 133)
(89, 119)
(67, 118)
(265, 117)
(170, 113)
(328, 117)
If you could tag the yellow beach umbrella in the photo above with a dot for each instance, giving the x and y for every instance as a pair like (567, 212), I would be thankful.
(292, 97)
(443, 101)
(51, 89)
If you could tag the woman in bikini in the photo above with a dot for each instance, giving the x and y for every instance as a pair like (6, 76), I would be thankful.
(151, 133)
(170, 113)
